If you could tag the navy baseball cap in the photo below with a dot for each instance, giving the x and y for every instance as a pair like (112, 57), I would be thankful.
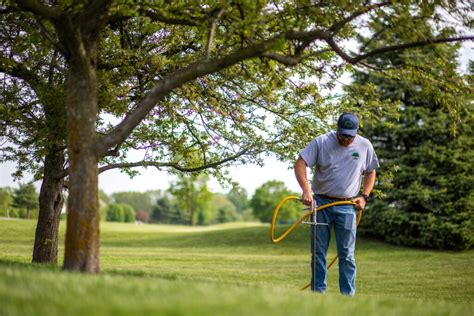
(348, 124)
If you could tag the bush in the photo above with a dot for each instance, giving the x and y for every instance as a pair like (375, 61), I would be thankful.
(142, 216)
(416, 229)
(120, 213)
(34, 214)
(128, 213)
(115, 213)
(22, 213)
(14, 213)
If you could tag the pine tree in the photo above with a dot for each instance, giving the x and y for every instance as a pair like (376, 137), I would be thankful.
(428, 148)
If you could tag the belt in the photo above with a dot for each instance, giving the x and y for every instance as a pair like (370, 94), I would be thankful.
(324, 196)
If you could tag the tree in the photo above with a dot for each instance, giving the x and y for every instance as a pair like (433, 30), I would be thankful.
(25, 197)
(428, 202)
(6, 200)
(138, 200)
(266, 198)
(166, 212)
(192, 196)
(238, 196)
(203, 79)
(224, 210)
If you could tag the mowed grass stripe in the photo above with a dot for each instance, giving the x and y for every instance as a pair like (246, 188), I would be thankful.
(231, 266)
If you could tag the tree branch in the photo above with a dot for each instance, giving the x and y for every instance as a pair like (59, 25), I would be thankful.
(172, 81)
(173, 165)
(18, 70)
(48, 36)
(165, 19)
(39, 9)
(286, 60)
(212, 30)
(382, 50)
(207, 66)
(412, 45)
(94, 17)
(336, 27)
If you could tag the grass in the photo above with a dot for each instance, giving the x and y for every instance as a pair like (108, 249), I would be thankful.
(229, 269)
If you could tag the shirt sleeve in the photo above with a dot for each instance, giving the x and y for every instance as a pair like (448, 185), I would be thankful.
(372, 160)
(309, 154)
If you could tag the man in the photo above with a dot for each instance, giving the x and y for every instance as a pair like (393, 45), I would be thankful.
(340, 159)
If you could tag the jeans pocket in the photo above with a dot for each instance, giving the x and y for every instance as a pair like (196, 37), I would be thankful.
(349, 222)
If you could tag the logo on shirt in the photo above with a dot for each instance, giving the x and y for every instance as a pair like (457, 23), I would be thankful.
(355, 156)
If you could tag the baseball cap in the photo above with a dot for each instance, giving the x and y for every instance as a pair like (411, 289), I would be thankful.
(348, 124)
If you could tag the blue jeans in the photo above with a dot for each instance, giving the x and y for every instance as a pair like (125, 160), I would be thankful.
(343, 218)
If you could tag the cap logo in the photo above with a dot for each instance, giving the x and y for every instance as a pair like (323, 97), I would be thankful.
(349, 124)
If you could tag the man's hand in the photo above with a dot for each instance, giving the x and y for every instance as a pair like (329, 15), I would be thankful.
(307, 198)
(360, 202)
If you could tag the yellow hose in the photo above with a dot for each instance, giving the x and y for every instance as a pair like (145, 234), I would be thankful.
(292, 227)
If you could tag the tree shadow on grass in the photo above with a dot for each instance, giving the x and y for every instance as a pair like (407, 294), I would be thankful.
(256, 238)
(11, 263)
(239, 237)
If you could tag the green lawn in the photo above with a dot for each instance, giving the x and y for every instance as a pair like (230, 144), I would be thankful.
(230, 269)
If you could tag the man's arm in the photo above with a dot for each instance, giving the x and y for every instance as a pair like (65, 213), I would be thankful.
(301, 177)
(369, 181)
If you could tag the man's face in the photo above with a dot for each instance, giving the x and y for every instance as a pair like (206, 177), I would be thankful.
(345, 140)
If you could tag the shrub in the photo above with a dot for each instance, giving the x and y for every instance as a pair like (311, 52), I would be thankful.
(142, 216)
(128, 213)
(115, 213)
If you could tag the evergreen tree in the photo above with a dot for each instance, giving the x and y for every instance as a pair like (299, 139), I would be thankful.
(429, 201)
(165, 211)
(26, 197)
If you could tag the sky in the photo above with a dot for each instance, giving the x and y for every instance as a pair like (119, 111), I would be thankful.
(249, 177)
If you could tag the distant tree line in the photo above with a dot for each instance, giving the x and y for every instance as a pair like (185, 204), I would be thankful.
(188, 201)
(19, 203)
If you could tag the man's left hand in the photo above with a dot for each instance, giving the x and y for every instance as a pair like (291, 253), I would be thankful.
(360, 202)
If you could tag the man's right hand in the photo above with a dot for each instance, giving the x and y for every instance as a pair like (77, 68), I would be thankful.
(307, 198)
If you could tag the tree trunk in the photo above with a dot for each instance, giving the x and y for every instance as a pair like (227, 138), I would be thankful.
(51, 202)
(193, 220)
(82, 234)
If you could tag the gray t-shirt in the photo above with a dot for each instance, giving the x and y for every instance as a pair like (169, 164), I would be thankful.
(338, 170)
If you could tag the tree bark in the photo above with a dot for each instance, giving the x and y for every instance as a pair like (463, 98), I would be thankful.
(51, 202)
(82, 234)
